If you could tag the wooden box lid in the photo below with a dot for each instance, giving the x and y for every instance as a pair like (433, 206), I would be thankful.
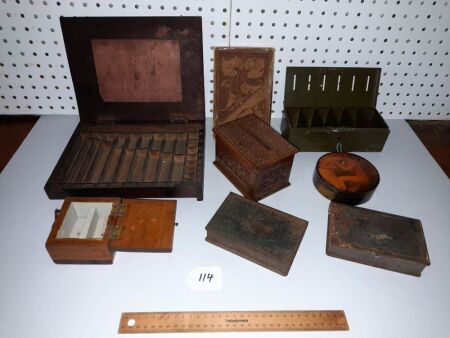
(261, 234)
(242, 83)
(259, 143)
(376, 238)
(331, 87)
(136, 69)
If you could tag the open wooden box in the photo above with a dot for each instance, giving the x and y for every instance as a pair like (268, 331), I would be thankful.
(140, 94)
(89, 230)
(333, 109)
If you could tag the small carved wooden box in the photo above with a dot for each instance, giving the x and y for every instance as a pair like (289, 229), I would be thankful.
(141, 130)
(88, 230)
(253, 156)
(377, 238)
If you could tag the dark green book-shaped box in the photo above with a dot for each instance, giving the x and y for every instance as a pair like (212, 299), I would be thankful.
(256, 232)
(333, 109)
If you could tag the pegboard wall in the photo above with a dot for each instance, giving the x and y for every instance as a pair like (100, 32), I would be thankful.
(408, 39)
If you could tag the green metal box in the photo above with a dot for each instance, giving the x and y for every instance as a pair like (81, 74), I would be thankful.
(329, 109)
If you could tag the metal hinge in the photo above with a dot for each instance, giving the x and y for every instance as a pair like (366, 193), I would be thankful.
(112, 231)
(178, 118)
(106, 119)
(119, 210)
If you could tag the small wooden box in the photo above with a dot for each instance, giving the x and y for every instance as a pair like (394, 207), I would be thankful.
(253, 156)
(333, 109)
(242, 83)
(139, 88)
(376, 238)
(263, 235)
(90, 230)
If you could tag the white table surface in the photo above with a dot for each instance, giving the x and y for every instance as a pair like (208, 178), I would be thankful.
(41, 299)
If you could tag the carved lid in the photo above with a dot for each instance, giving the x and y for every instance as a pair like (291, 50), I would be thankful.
(136, 68)
(259, 143)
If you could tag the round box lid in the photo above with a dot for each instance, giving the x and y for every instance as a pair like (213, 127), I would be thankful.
(345, 178)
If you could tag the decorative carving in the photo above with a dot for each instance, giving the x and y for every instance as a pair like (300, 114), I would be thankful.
(243, 83)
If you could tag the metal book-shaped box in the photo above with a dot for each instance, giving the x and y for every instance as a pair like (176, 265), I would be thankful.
(256, 232)
(376, 238)
(139, 88)
(333, 109)
(242, 83)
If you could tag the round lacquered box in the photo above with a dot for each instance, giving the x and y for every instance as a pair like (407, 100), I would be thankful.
(345, 178)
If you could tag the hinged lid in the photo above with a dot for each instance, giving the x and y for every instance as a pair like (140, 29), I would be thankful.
(259, 143)
(331, 87)
(136, 68)
(146, 225)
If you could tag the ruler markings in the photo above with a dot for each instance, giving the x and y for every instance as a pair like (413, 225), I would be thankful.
(233, 321)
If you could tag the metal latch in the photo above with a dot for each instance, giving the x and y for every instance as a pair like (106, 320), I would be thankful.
(119, 210)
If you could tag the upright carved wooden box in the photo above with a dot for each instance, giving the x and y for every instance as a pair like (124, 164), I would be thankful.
(139, 88)
(242, 83)
(89, 230)
(253, 156)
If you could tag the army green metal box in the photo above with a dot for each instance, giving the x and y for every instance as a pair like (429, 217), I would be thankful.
(329, 109)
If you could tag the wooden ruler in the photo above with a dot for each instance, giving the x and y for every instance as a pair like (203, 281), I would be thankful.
(232, 321)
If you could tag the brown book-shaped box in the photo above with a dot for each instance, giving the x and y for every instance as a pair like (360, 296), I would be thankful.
(139, 88)
(89, 230)
(256, 232)
(376, 238)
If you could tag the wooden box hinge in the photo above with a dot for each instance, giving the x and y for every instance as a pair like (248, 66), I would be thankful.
(119, 210)
(106, 119)
(178, 118)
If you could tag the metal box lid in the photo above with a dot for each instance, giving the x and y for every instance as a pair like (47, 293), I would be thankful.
(331, 87)
(256, 232)
(136, 69)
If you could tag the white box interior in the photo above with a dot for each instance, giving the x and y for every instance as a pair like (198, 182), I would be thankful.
(85, 220)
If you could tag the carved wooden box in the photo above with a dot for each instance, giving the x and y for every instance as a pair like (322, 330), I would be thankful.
(333, 109)
(141, 130)
(89, 230)
(253, 156)
(242, 83)
(376, 238)
(256, 232)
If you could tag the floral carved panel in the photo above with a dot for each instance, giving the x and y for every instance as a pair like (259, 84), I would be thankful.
(242, 83)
